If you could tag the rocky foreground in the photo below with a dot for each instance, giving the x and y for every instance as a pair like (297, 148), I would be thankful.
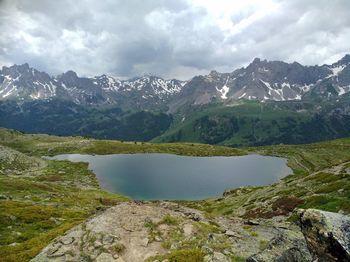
(152, 231)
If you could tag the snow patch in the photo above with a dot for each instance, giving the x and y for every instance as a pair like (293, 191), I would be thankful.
(337, 70)
(241, 96)
(224, 90)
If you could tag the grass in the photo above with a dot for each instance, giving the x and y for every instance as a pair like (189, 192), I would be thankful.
(46, 198)
(169, 220)
(44, 145)
(184, 255)
(44, 204)
(117, 248)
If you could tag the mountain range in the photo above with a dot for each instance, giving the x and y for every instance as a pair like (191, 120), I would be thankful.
(266, 102)
(261, 80)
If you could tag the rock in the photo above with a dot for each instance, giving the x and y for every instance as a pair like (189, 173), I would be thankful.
(188, 229)
(158, 238)
(292, 254)
(194, 216)
(55, 252)
(108, 239)
(145, 242)
(67, 240)
(216, 257)
(231, 233)
(252, 222)
(327, 234)
(173, 246)
(105, 257)
(97, 244)
(287, 245)
(207, 249)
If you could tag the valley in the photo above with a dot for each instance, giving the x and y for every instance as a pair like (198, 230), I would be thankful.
(174, 131)
(42, 199)
(265, 103)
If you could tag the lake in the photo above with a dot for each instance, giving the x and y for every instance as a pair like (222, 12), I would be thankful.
(173, 177)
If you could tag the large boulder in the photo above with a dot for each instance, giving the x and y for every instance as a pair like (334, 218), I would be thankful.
(327, 234)
(287, 245)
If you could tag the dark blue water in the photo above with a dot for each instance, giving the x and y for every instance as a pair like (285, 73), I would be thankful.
(165, 176)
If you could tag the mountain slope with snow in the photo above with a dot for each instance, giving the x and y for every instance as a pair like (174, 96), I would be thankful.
(261, 80)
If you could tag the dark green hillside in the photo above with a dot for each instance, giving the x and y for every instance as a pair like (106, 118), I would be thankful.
(253, 123)
(239, 123)
(59, 117)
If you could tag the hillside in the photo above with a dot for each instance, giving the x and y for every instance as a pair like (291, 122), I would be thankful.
(42, 199)
(253, 123)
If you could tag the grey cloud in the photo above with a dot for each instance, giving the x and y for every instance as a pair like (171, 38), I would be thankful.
(167, 38)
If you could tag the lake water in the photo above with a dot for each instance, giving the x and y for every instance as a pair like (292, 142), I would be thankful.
(166, 176)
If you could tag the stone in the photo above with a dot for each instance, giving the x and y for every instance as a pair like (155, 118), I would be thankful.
(207, 249)
(188, 229)
(55, 252)
(158, 238)
(108, 239)
(67, 240)
(145, 242)
(4, 197)
(216, 257)
(286, 245)
(97, 244)
(327, 234)
(252, 222)
(231, 233)
(105, 257)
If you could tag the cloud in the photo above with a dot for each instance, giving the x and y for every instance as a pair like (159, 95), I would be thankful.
(169, 38)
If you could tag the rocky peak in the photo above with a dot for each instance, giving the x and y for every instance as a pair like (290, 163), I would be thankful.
(345, 60)
(68, 76)
(256, 60)
(15, 70)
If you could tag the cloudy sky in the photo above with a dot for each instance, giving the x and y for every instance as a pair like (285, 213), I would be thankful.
(170, 38)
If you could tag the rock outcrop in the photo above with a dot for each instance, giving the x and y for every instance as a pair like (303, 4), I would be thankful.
(327, 234)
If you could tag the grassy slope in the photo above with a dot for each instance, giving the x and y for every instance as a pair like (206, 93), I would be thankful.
(249, 111)
(40, 145)
(42, 199)
(311, 185)
(48, 199)
(251, 123)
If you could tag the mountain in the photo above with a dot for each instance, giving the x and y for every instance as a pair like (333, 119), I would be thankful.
(267, 102)
(264, 80)
(23, 83)
(261, 80)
